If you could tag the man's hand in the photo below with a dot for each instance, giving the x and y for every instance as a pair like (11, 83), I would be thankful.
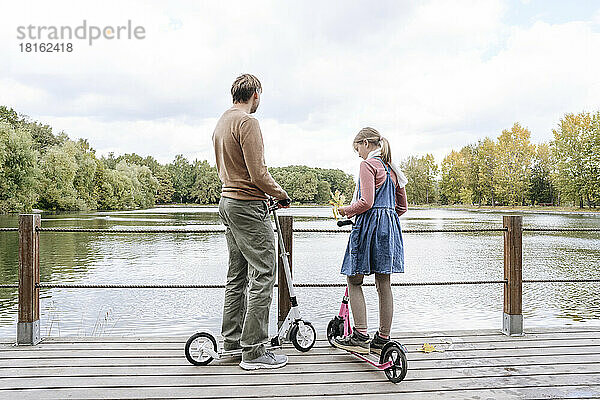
(285, 203)
(342, 211)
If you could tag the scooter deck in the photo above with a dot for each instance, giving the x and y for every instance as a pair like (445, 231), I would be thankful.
(373, 356)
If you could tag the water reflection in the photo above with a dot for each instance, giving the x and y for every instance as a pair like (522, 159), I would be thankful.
(202, 258)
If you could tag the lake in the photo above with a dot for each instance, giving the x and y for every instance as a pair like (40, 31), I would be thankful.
(202, 259)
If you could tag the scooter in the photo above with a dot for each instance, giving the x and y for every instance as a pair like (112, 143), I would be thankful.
(392, 360)
(202, 348)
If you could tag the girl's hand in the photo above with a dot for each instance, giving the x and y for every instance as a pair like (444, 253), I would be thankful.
(342, 211)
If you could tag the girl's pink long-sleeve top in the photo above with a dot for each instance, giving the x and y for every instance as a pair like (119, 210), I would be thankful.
(372, 174)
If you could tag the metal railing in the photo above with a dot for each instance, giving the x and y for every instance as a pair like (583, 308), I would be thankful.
(29, 283)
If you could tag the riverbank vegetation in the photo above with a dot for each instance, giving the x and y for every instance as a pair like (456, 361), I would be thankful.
(512, 171)
(41, 169)
(47, 170)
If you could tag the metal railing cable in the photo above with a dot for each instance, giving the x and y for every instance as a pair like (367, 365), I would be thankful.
(131, 230)
(561, 280)
(561, 229)
(321, 230)
(221, 230)
(300, 230)
(307, 230)
(298, 285)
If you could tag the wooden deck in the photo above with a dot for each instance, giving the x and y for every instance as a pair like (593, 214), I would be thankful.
(545, 363)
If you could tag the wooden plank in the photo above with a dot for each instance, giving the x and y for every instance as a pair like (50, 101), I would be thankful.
(350, 366)
(563, 392)
(428, 387)
(458, 350)
(337, 356)
(484, 367)
(46, 343)
(321, 348)
(242, 378)
(170, 342)
(481, 334)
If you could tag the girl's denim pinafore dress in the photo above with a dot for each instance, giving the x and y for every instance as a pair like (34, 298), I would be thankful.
(375, 244)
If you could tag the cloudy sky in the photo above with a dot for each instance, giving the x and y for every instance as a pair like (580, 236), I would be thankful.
(429, 75)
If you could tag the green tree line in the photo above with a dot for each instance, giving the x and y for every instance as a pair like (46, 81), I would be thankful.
(40, 169)
(512, 171)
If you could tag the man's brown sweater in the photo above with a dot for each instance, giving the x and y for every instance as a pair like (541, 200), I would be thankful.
(239, 152)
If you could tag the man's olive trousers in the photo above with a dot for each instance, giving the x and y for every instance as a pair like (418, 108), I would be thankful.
(250, 277)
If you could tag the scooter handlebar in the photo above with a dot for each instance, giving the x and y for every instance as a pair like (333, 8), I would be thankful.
(277, 204)
(284, 203)
(345, 222)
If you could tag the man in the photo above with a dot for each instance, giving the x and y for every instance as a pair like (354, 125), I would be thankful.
(243, 209)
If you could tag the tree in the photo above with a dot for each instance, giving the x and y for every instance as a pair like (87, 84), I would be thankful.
(86, 171)
(304, 186)
(541, 188)
(421, 174)
(165, 191)
(576, 150)
(43, 137)
(103, 193)
(207, 185)
(487, 159)
(41, 134)
(10, 116)
(143, 183)
(58, 166)
(18, 169)
(323, 192)
(68, 173)
(182, 176)
(454, 182)
(514, 165)
(337, 179)
(121, 190)
(430, 171)
(472, 192)
(110, 161)
(308, 185)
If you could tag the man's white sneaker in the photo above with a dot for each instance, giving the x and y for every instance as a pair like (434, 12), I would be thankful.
(267, 360)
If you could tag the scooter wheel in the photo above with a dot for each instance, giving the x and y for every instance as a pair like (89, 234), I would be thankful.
(195, 348)
(394, 353)
(303, 335)
(335, 328)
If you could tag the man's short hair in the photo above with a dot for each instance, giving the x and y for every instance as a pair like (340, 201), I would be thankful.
(244, 87)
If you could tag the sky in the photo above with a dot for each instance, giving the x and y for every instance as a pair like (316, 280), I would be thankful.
(431, 76)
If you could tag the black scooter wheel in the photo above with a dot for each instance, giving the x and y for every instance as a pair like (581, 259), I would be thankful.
(195, 348)
(303, 335)
(394, 353)
(335, 328)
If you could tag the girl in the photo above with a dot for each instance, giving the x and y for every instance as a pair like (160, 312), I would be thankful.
(375, 243)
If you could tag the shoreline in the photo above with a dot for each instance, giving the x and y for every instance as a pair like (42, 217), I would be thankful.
(488, 209)
(508, 209)
(499, 209)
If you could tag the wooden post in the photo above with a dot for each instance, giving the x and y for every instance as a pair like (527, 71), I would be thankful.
(287, 231)
(28, 326)
(512, 322)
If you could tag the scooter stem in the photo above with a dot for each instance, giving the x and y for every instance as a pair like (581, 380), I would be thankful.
(286, 266)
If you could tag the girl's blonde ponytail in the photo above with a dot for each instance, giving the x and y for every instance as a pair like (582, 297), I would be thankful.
(386, 152)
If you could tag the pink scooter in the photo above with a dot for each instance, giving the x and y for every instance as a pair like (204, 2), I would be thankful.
(392, 359)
